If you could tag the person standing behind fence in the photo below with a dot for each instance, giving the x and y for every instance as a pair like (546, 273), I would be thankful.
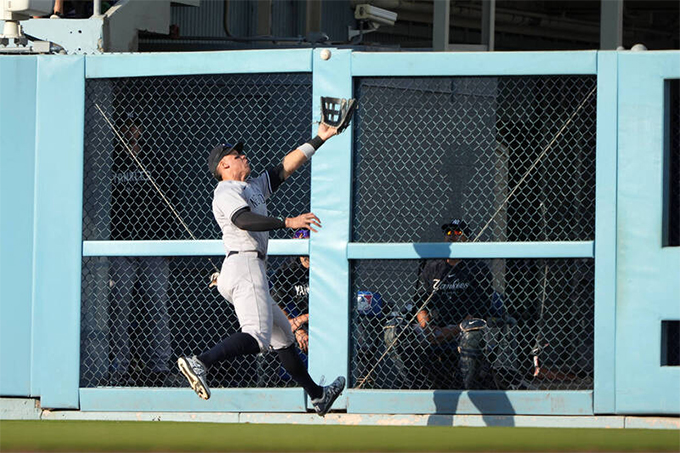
(460, 290)
(240, 209)
(290, 289)
(138, 212)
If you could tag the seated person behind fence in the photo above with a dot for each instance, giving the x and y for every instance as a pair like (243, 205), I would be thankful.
(460, 290)
(138, 212)
(290, 290)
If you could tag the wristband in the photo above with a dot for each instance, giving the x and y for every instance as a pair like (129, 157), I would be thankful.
(309, 148)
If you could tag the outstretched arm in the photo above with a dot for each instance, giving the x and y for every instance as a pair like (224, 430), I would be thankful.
(299, 156)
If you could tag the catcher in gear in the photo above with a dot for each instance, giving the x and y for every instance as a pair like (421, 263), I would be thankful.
(240, 209)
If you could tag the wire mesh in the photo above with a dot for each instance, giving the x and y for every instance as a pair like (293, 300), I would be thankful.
(140, 313)
(171, 124)
(539, 324)
(431, 149)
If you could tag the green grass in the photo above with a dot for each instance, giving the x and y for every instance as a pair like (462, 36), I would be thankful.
(77, 436)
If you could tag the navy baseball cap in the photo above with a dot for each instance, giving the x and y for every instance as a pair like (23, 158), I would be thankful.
(218, 152)
(456, 225)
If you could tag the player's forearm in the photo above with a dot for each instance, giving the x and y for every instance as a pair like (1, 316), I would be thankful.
(293, 160)
(249, 221)
(299, 156)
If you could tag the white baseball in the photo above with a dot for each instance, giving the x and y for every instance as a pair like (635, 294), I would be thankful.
(325, 54)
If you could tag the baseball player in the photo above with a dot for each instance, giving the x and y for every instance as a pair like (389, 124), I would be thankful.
(240, 208)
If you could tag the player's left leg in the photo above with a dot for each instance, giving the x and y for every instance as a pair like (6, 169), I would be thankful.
(243, 283)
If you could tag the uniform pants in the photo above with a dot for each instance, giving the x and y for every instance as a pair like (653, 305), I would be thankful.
(243, 282)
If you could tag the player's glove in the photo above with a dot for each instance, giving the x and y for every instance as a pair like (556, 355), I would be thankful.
(213, 279)
(337, 112)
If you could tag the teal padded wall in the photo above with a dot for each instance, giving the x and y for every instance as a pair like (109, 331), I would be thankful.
(648, 289)
(17, 162)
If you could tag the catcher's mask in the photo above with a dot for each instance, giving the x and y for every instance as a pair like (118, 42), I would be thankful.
(218, 152)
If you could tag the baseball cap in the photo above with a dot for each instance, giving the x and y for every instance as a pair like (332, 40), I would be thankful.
(456, 225)
(219, 152)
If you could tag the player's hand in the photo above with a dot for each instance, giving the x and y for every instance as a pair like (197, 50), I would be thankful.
(325, 131)
(302, 339)
(307, 221)
(213, 279)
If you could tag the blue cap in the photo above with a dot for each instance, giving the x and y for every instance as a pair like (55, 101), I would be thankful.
(457, 225)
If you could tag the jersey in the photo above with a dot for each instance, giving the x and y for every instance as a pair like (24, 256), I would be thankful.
(231, 196)
(138, 212)
(290, 287)
(460, 290)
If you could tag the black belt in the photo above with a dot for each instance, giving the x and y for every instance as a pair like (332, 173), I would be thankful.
(260, 255)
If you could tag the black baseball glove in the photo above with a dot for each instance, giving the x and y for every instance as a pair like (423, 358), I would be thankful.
(337, 112)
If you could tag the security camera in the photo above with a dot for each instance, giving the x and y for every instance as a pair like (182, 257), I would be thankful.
(372, 13)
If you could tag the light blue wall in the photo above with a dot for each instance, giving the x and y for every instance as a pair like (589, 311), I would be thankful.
(57, 253)
(648, 289)
(636, 280)
(17, 162)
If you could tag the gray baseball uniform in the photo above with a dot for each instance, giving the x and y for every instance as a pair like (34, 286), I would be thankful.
(243, 278)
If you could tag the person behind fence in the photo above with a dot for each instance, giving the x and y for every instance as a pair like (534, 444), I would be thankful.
(290, 290)
(239, 206)
(404, 342)
(139, 285)
(453, 320)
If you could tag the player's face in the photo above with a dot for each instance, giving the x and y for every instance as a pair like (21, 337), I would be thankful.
(238, 164)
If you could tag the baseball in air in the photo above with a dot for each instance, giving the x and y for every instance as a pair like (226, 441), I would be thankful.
(325, 54)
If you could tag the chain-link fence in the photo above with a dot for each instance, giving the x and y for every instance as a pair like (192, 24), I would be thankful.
(140, 313)
(539, 324)
(517, 153)
(431, 149)
(170, 124)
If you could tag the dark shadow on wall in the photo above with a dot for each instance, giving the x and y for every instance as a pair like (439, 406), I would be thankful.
(493, 405)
